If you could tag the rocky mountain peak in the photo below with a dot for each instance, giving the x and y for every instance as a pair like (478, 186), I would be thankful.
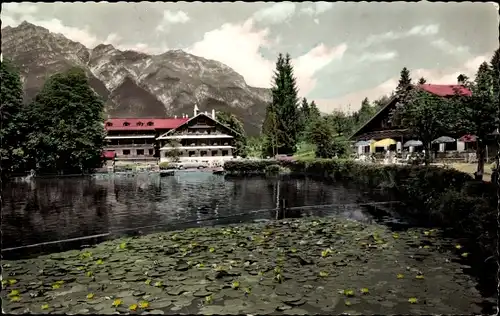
(135, 83)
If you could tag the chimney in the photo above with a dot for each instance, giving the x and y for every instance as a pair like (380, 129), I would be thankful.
(175, 116)
(206, 113)
(213, 114)
(196, 110)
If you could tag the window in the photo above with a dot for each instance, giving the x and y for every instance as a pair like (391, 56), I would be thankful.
(126, 124)
(139, 124)
(151, 152)
(225, 153)
(203, 153)
(140, 152)
(215, 153)
(150, 123)
(166, 154)
(192, 153)
(126, 152)
(109, 124)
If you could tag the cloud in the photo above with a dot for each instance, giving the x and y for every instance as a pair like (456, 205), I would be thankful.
(172, 17)
(238, 46)
(418, 30)
(275, 14)
(112, 39)
(370, 57)
(448, 47)
(317, 8)
(435, 76)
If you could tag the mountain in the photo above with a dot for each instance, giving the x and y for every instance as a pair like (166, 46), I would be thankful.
(136, 84)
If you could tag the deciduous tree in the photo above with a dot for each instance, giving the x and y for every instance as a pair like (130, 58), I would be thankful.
(232, 121)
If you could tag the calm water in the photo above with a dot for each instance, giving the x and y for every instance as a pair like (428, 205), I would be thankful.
(58, 209)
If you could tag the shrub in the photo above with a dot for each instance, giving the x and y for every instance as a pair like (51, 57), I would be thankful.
(163, 165)
(273, 169)
(248, 166)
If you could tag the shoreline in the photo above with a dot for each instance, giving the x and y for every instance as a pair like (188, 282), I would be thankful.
(299, 266)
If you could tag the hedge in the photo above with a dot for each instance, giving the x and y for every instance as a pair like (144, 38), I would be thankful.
(439, 196)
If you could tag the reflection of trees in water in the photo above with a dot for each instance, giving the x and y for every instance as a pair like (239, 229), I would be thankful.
(54, 209)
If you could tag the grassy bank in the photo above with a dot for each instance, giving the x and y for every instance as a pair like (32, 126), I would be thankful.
(306, 266)
(439, 196)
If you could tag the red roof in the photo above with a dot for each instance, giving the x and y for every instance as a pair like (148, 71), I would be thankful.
(142, 124)
(468, 138)
(445, 90)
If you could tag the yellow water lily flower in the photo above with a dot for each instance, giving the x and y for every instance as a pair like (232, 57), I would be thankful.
(15, 298)
(133, 307)
(143, 304)
(348, 292)
(12, 281)
(412, 300)
(55, 286)
(45, 306)
(14, 293)
(458, 246)
(364, 290)
(90, 296)
(323, 274)
(465, 254)
(235, 285)
(117, 302)
(400, 276)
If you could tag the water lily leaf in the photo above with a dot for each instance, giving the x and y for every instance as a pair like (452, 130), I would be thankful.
(200, 265)
(4, 283)
(364, 290)
(143, 304)
(175, 237)
(90, 296)
(323, 274)
(117, 302)
(293, 250)
(14, 293)
(45, 306)
(80, 268)
(12, 281)
(412, 300)
(400, 276)
(133, 307)
(465, 254)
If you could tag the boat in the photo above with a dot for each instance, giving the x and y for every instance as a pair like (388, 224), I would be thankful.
(166, 173)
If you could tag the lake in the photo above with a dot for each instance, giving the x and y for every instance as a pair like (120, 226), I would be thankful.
(93, 210)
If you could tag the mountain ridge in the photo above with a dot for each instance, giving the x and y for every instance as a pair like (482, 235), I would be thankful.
(136, 84)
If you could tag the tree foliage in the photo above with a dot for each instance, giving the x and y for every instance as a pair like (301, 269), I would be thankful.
(282, 124)
(173, 153)
(13, 124)
(425, 116)
(478, 114)
(233, 122)
(66, 125)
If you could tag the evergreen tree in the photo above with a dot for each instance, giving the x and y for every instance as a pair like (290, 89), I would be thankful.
(14, 125)
(314, 112)
(422, 80)
(304, 115)
(283, 113)
(67, 125)
(404, 81)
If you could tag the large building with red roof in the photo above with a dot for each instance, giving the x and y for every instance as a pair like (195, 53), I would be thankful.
(200, 138)
(379, 127)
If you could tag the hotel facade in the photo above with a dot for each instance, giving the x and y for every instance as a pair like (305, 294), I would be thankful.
(199, 138)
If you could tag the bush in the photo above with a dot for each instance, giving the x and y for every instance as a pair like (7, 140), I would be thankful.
(248, 166)
(273, 169)
(163, 165)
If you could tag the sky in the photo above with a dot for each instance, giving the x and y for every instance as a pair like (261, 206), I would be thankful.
(341, 52)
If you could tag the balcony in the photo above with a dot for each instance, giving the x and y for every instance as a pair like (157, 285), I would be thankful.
(129, 145)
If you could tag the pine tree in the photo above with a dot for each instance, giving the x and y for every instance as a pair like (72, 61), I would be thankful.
(314, 112)
(422, 81)
(404, 81)
(282, 123)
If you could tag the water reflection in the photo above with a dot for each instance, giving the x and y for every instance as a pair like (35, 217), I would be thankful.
(57, 209)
